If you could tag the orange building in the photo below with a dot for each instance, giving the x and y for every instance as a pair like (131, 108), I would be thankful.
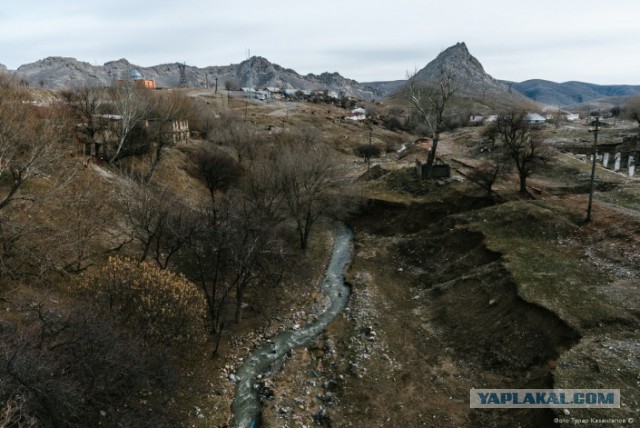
(137, 79)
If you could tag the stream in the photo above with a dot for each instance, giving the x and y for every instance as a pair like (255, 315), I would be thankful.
(246, 405)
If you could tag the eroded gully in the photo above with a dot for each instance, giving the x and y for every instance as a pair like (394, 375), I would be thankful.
(246, 405)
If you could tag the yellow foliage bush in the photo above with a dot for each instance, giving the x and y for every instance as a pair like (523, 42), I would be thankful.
(157, 305)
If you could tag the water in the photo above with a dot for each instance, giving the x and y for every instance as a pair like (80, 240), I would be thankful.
(246, 405)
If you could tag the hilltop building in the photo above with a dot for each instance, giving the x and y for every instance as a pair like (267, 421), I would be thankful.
(139, 80)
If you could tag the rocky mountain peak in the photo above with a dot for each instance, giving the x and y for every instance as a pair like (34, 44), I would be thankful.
(122, 62)
(473, 84)
(459, 60)
(459, 57)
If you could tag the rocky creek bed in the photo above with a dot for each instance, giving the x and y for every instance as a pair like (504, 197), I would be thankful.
(252, 388)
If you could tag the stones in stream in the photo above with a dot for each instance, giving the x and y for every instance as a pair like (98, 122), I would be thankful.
(264, 390)
(247, 403)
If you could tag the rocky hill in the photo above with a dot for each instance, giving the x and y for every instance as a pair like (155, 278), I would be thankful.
(477, 91)
(482, 91)
(59, 72)
(570, 93)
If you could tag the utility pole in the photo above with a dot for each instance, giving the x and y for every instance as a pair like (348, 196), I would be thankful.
(593, 165)
(369, 150)
(183, 75)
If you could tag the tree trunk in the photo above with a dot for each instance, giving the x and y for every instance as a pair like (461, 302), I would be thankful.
(432, 157)
(523, 184)
(120, 144)
(239, 300)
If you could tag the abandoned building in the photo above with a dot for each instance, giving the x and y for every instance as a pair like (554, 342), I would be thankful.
(438, 170)
(620, 155)
(145, 134)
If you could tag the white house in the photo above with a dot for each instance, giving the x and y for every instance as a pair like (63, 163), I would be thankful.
(358, 113)
(252, 93)
(535, 118)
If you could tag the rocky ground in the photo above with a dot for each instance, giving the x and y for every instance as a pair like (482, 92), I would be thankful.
(441, 306)
(452, 291)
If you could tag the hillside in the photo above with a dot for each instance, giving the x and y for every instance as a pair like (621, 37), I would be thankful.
(570, 93)
(482, 91)
(450, 289)
(59, 72)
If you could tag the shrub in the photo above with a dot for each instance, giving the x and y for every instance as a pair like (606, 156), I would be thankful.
(156, 305)
(72, 368)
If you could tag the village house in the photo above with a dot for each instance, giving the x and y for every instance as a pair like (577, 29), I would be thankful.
(476, 119)
(358, 113)
(535, 118)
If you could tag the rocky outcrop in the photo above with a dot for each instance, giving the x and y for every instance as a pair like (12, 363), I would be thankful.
(476, 89)
(481, 90)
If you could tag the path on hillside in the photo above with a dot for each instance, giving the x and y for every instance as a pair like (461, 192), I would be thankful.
(620, 209)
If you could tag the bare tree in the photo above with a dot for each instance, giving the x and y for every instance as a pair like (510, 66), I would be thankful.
(430, 101)
(206, 264)
(229, 252)
(235, 245)
(85, 104)
(132, 104)
(90, 219)
(164, 111)
(260, 189)
(232, 132)
(632, 110)
(31, 149)
(368, 151)
(70, 367)
(557, 117)
(521, 142)
(29, 143)
(489, 172)
(308, 179)
(160, 223)
(218, 170)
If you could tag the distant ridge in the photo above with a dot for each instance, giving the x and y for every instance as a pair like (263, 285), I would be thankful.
(481, 90)
(571, 93)
(61, 72)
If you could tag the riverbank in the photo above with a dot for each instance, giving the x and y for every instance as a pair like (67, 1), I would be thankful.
(252, 377)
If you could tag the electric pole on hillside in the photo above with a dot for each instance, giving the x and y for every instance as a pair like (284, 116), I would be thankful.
(595, 130)
(183, 75)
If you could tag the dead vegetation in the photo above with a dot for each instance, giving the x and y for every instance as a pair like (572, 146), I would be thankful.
(456, 284)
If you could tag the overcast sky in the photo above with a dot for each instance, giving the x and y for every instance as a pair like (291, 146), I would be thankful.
(366, 40)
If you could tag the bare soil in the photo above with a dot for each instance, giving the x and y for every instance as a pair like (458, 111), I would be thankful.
(452, 291)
